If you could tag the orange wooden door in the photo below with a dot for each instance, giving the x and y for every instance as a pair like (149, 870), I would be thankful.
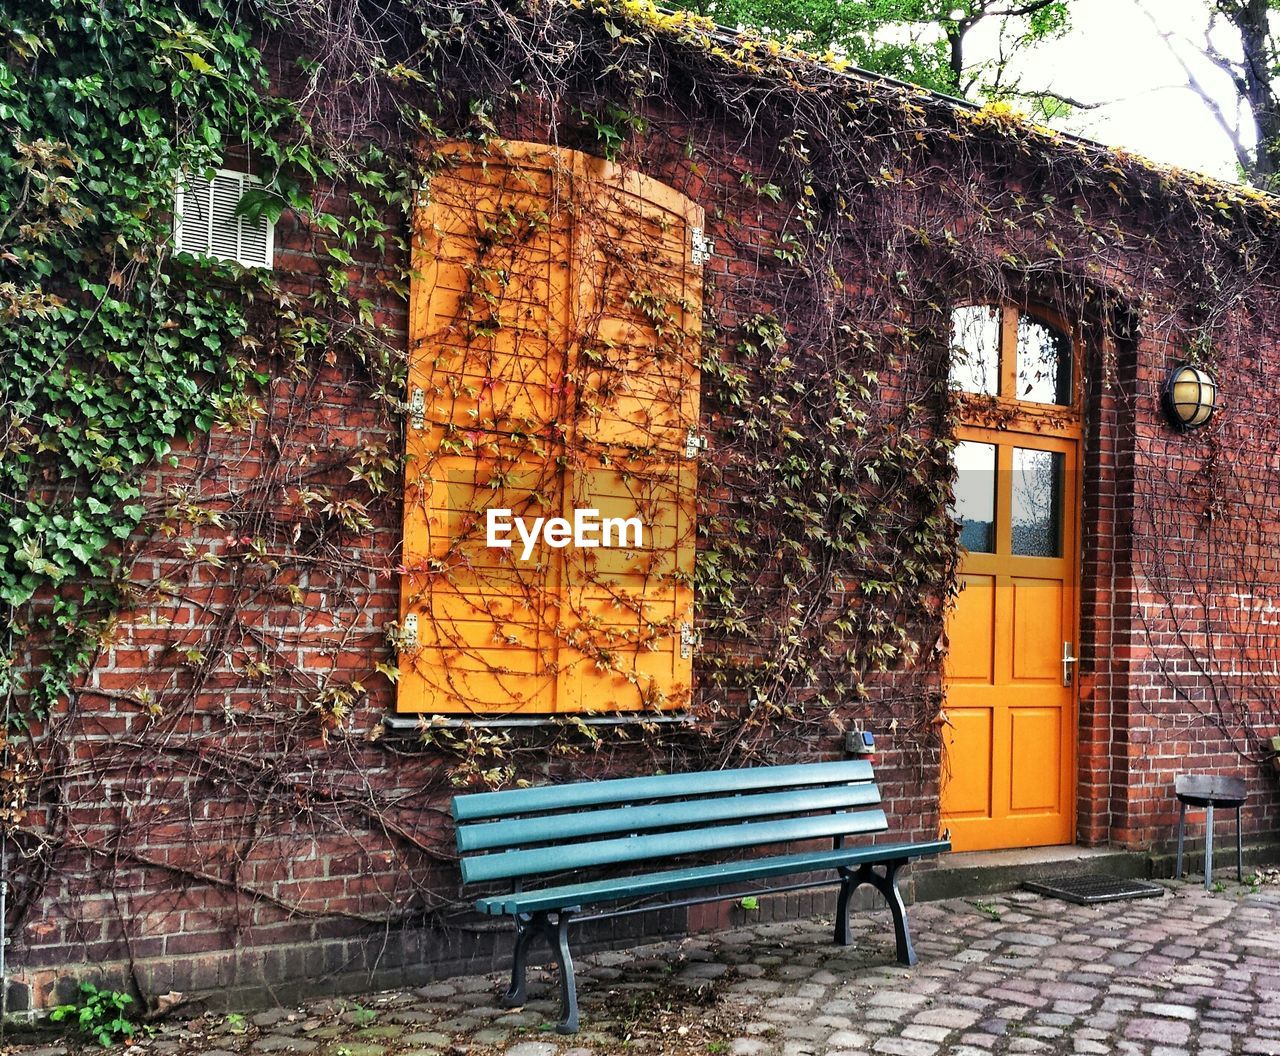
(554, 324)
(1009, 744)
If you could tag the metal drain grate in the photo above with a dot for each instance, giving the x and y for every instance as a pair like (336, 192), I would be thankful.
(1085, 890)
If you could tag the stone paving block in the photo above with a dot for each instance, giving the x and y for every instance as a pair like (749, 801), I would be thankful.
(896, 999)
(435, 991)
(532, 1048)
(284, 1043)
(805, 1032)
(1164, 1031)
(950, 1018)
(1169, 1011)
(791, 1004)
(924, 1032)
(847, 1039)
(904, 1047)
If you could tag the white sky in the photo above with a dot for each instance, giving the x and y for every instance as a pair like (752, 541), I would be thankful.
(1113, 52)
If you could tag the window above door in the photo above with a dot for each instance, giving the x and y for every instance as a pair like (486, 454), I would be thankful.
(1012, 355)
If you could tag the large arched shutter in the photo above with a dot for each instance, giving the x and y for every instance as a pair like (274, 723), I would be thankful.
(554, 339)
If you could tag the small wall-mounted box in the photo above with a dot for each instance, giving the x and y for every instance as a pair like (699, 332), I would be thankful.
(860, 742)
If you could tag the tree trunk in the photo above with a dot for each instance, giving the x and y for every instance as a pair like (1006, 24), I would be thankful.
(1250, 17)
(955, 38)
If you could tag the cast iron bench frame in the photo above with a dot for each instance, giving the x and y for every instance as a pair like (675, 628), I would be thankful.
(604, 825)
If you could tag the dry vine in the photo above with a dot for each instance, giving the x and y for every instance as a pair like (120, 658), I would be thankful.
(227, 750)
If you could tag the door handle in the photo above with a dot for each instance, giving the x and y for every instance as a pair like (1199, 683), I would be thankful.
(1067, 661)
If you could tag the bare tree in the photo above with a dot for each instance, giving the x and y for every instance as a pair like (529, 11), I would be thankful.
(1239, 38)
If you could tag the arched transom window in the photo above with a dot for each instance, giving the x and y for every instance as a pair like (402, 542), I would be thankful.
(1007, 353)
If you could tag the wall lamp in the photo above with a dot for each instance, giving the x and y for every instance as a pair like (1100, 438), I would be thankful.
(1189, 397)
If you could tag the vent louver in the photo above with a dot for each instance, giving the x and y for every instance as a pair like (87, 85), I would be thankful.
(206, 222)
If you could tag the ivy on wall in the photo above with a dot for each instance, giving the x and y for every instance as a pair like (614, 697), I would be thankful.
(113, 349)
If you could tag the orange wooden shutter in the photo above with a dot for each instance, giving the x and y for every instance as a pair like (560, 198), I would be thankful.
(554, 324)
(635, 402)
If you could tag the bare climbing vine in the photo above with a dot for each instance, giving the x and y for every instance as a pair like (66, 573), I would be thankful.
(213, 673)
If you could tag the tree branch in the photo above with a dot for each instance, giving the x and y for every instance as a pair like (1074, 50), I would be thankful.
(1232, 131)
(1069, 100)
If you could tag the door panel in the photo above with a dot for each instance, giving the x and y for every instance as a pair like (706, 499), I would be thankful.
(974, 632)
(969, 787)
(1036, 734)
(1037, 630)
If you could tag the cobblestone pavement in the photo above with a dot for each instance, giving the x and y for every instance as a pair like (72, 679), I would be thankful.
(1191, 972)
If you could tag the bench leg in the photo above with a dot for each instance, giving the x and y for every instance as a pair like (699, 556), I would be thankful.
(525, 932)
(559, 936)
(887, 884)
(849, 883)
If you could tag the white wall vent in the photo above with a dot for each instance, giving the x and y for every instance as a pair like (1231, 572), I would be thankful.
(206, 222)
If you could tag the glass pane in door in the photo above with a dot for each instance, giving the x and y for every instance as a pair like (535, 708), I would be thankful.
(974, 502)
(1037, 502)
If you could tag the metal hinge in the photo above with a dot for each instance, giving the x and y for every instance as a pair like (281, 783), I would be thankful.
(703, 248)
(689, 640)
(694, 444)
(418, 409)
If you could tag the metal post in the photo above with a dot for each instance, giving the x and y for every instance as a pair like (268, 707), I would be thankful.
(1239, 848)
(1182, 821)
(1208, 845)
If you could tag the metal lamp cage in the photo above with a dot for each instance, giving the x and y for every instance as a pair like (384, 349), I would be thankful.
(1189, 396)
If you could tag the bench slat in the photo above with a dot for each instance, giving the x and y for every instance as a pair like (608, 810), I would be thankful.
(480, 805)
(523, 831)
(674, 880)
(508, 864)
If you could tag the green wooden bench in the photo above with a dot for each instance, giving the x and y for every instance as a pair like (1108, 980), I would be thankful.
(608, 827)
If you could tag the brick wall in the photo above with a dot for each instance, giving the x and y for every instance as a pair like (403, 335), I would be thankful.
(207, 832)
